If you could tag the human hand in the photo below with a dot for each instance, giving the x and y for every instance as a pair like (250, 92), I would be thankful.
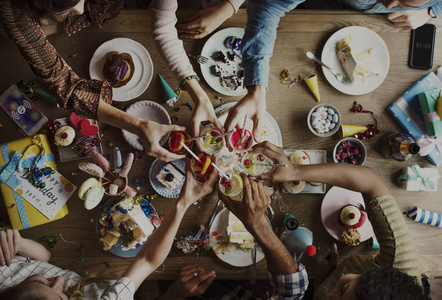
(328, 258)
(10, 243)
(151, 133)
(193, 189)
(410, 18)
(203, 111)
(252, 105)
(278, 156)
(189, 285)
(254, 203)
(205, 21)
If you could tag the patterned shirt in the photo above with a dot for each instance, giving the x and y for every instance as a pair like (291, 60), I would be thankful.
(53, 73)
(290, 287)
(22, 267)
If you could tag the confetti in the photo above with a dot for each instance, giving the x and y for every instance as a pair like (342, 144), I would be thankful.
(52, 240)
(188, 106)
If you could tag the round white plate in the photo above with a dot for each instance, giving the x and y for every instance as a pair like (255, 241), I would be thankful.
(334, 200)
(147, 110)
(143, 67)
(236, 257)
(157, 186)
(216, 43)
(365, 39)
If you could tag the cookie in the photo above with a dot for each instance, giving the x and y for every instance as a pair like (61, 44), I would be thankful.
(351, 237)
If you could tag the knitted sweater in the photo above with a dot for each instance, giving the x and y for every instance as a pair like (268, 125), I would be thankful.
(397, 247)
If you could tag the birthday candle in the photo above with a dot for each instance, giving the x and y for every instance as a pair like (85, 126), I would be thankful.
(425, 216)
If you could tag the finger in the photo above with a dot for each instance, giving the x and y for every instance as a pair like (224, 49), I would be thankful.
(233, 119)
(218, 124)
(164, 155)
(263, 195)
(193, 22)
(16, 241)
(202, 287)
(5, 249)
(193, 36)
(169, 128)
(257, 129)
(188, 267)
(334, 254)
(394, 15)
(9, 236)
(212, 179)
(323, 254)
(247, 190)
(200, 278)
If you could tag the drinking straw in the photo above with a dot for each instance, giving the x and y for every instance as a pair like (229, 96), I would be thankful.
(273, 165)
(191, 152)
(219, 170)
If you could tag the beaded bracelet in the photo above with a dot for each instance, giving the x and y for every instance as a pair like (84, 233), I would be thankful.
(185, 80)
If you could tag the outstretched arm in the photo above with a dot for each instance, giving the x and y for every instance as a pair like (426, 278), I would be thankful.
(157, 247)
(12, 243)
(356, 178)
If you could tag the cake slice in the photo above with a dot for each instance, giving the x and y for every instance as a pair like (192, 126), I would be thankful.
(357, 63)
(170, 176)
(238, 234)
(110, 239)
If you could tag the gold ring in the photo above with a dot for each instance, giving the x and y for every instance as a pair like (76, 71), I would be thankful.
(195, 274)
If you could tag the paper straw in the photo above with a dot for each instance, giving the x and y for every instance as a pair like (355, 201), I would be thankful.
(221, 172)
(225, 133)
(191, 152)
(425, 216)
(197, 137)
(273, 165)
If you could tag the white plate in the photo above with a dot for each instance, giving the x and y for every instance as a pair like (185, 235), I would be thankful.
(366, 39)
(179, 164)
(147, 110)
(316, 157)
(143, 67)
(236, 257)
(334, 200)
(216, 43)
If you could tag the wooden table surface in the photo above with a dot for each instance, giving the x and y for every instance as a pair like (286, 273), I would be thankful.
(300, 31)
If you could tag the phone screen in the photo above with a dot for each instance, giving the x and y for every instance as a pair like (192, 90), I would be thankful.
(422, 47)
(21, 110)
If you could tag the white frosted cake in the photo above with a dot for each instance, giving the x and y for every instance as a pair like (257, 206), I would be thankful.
(238, 234)
(169, 176)
(129, 221)
(356, 62)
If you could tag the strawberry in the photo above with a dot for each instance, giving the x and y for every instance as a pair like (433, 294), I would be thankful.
(261, 157)
(228, 186)
(247, 162)
(223, 180)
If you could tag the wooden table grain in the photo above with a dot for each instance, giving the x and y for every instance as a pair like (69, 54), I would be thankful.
(299, 31)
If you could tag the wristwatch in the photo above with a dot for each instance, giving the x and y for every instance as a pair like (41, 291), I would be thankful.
(431, 12)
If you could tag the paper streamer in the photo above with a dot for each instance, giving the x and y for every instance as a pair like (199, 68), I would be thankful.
(425, 216)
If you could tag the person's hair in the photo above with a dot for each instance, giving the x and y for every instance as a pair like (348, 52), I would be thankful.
(42, 9)
(26, 289)
(388, 283)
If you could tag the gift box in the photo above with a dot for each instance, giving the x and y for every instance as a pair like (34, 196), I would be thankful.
(406, 111)
(21, 213)
(428, 101)
(415, 178)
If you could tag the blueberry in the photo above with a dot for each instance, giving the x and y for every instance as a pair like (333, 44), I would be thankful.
(340, 147)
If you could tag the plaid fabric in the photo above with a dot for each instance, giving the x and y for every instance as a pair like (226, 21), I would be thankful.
(54, 74)
(292, 286)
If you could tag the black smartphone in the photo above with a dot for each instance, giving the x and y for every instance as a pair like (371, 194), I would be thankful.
(422, 47)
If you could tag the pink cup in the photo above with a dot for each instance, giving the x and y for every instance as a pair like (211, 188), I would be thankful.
(113, 178)
(241, 140)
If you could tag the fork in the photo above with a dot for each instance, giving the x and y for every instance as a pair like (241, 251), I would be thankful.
(357, 204)
(253, 274)
(341, 78)
(202, 60)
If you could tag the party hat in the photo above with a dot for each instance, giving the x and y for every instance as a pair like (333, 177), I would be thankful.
(349, 130)
(169, 95)
(312, 83)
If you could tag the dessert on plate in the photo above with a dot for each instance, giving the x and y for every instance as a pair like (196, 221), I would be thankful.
(294, 187)
(125, 221)
(118, 68)
(357, 63)
(300, 157)
(352, 217)
(64, 136)
(226, 69)
(170, 176)
(238, 234)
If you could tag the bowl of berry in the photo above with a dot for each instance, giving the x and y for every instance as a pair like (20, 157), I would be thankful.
(350, 151)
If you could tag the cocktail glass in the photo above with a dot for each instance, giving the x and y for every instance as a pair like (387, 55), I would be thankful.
(255, 164)
(232, 188)
(241, 140)
(175, 139)
(211, 144)
(203, 168)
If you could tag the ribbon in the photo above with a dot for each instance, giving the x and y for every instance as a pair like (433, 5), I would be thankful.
(419, 174)
(427, 144)
(17, 161)
(431, 117)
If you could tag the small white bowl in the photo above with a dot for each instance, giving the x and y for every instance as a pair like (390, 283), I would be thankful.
(358, 143)
(331, 132)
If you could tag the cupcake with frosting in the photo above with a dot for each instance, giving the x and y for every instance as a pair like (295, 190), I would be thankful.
(352, 217)
(64, 136)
